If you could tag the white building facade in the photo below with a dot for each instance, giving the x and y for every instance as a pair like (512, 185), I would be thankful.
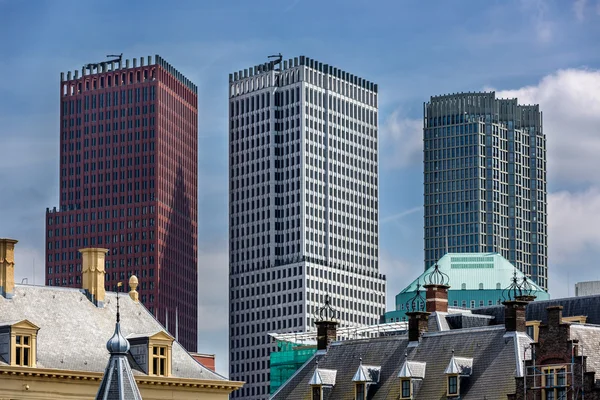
(303, 207)
(485, 180)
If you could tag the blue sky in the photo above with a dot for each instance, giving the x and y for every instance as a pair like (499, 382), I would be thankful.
(545, 52)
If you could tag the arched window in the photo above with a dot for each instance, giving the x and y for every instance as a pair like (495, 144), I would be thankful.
(498, 286)
(481, 286)
(463, 286)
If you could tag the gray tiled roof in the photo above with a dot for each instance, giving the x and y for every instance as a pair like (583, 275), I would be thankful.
(589, 338)
(493, 368)
(73, 332)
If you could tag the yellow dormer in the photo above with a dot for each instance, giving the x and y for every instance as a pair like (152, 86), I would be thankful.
(18, 343)
(153, 352)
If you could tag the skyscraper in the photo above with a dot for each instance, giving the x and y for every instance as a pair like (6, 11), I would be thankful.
(303, 198)
(128, 183)
(485, 180)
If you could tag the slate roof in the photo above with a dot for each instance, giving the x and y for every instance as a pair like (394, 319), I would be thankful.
(494, 365)
(589, 338)
(412, 369)
(323, 377)
(73, 332)
(460, 366)
(536, 311)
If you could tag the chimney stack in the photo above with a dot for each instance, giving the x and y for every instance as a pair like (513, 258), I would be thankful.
(93, 274)
(437, 298)
(514, 315)
(554, 315)
(326, 333)
(326, 323)
(7, 267)
(418, 322)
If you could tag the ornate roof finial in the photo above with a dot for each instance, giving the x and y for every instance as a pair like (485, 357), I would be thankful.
(417, 302)
(326, 312)
(117, 344)
(437, 277)
(518, 289)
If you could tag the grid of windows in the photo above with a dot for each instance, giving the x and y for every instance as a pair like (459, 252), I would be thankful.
(303, 207)
(128, 183)
(485, 180)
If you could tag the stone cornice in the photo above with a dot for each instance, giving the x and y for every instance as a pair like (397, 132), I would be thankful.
(47, 373)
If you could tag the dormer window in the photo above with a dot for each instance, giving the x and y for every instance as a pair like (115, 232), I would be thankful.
(409, 372)
(453, 385)
(317, 392)
(18, 344)
(458, 368)
(321, 378)
(159, 360)
(360, 391)
(365, 376)
(152, 352)
(405, 389)
(23, 350)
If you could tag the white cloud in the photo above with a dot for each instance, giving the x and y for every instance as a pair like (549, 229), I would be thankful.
(573, 221)
(401, 141)
(579, 9)
(570, 102)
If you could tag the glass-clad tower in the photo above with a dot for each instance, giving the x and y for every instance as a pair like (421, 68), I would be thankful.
(485, 180)
(303, 207)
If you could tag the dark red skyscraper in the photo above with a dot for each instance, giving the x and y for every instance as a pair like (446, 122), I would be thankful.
(128, 183)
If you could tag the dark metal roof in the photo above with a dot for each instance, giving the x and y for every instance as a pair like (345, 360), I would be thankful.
(536, 311)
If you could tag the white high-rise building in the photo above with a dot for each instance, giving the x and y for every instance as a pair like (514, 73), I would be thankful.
(303, 207)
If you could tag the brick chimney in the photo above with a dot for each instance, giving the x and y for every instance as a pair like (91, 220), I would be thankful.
(326, 333)
(437, 297)
(514, 315)
(93, 274)
(417, 324)
(554, 315)
(7, 267)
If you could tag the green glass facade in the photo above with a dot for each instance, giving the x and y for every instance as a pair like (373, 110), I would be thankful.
(288, 358)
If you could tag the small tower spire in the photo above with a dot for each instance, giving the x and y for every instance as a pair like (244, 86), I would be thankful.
(118, 382)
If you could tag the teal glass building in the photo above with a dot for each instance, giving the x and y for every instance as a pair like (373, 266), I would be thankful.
(475, 279)
(485, 180)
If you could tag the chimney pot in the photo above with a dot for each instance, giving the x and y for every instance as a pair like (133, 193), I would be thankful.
(514, 315)
(326, 333)
(7, 267)
(554, 315)
(437, 297)
(93, 274)
(418, 322)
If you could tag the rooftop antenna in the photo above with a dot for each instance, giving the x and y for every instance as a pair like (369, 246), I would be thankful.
(278, 57)
(117, 58)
